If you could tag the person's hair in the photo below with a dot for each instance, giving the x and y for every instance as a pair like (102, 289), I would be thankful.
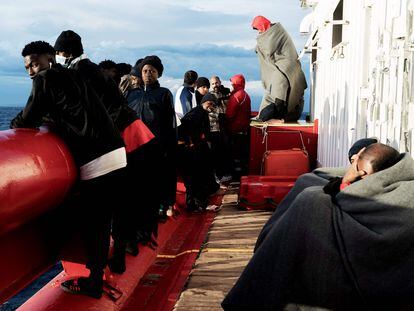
(381, 156)
(190, 77)
(123, 68)
(38, 47)
(215, 77)
(203, 81)
(359, 144)
(138, 62)
(107, 64)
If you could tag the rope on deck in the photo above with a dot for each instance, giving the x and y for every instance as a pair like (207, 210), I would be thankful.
(208, 250)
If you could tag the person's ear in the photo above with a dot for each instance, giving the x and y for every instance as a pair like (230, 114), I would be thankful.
(361, 151)
(51, 59)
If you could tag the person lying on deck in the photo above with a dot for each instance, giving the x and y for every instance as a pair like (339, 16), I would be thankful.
(351, 254)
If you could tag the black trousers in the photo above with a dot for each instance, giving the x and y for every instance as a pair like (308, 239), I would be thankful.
(220, 153)
(140, 190)
(198, 174)
(239, 145)
(99, 197)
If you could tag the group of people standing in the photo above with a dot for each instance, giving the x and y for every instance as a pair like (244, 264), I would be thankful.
(129, 141)
(212, 134)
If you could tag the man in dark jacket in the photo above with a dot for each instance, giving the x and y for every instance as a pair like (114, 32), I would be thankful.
(75, 113)
(195, 157)
(69, 51)
(154, 106)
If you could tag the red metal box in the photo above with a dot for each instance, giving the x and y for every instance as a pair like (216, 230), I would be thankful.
(263, 192)
(293, 162)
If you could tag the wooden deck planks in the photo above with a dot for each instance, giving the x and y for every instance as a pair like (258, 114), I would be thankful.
(227, 250)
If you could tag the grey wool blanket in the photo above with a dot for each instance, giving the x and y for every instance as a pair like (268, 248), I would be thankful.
(281, 73)
(357, 254)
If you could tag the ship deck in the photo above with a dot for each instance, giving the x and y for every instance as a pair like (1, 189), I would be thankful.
(226, 251)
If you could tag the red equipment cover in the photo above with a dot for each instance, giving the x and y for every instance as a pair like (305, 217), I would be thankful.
(264, 192)
(293, 162)
(281, 137)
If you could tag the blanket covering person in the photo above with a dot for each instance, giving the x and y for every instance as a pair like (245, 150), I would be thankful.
(281, 74)
(356, 254)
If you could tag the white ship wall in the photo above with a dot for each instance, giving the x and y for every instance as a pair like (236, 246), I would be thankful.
(362, 86)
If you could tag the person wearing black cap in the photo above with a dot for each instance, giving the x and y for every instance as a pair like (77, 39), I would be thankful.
(195, 157)
(155, 107)
(69, 53)
(334, 185)
(202, 88)
(69, 50)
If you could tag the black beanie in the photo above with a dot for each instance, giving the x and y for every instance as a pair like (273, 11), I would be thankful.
(154, 61)
(202, 81)
(209, 97)
(359, 144)
(135, 71)
(69, 42)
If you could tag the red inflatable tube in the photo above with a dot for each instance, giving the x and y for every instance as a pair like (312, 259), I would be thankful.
(36, 173)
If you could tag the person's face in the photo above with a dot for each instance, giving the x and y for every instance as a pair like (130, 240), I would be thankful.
(135, 82)
(364, 164)
(203, 90)
(149, 74)
(64, 54)
(215, 84)
(208, 106)
(35, 63)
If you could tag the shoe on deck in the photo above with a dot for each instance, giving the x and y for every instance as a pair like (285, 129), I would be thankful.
(83, 286)
(213, 208)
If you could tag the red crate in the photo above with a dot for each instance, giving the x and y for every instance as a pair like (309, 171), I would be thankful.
(293, 162)
(263, 192)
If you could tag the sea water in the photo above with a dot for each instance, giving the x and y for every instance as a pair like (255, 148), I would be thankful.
(6, 115)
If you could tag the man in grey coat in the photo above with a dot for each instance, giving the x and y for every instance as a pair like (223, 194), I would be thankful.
(281, 73)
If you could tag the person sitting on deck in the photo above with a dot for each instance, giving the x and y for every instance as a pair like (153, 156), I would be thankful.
(354, 254)
(195, 164)
(66, 102)
(282, 77)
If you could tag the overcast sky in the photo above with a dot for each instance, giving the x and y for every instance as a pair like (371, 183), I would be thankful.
(212, 37)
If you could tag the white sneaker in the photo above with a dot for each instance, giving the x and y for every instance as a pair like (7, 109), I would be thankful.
(225, 178)
(213, 208)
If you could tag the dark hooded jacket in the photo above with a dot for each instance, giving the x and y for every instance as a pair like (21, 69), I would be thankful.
(72, 109)
(108, 92)
(154, 106)
(195, 126)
